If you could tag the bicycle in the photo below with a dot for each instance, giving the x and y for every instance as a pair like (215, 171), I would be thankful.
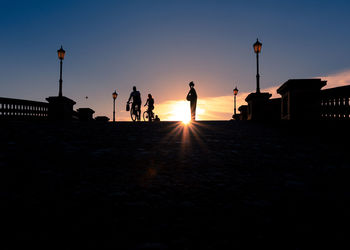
(134, 113)
(148, 116)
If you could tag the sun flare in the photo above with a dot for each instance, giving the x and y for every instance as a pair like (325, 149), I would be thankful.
(180, 111)
(186, 121)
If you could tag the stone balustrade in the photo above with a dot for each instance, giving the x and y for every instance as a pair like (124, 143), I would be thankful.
(335, 103)
(22, 109)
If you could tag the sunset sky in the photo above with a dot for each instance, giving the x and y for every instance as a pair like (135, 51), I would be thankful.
(161, 45)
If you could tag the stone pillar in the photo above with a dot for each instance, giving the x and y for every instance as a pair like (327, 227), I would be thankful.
(85, 114)
(258, 106)
(243, 109)
(60, 108)
(301, 99)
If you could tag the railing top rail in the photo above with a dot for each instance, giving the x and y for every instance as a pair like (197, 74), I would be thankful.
(20, 101)
(337, 91)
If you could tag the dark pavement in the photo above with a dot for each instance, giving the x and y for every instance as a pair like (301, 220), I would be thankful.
(210, 185)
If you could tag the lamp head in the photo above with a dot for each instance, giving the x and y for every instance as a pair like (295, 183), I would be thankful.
(257, 46)
(61, 53)
(235, 91)
(115, 94)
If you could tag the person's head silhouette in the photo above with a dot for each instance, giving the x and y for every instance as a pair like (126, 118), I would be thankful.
(134, 88)
(191, 84)
(149, 96)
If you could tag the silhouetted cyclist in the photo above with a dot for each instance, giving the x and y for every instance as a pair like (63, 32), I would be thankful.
(150, 103)
(192, 97)
(136, 101)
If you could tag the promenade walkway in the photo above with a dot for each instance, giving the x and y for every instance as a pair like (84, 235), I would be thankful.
(212, 185)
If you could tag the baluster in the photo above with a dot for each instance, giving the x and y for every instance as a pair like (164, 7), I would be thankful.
(342, 107)
(347, 111)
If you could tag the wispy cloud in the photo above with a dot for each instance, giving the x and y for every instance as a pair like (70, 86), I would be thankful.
(337, 79)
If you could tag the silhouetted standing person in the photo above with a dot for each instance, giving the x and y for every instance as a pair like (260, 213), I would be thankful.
(192, 97)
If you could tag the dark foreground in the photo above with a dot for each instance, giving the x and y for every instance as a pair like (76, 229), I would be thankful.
(214, 185)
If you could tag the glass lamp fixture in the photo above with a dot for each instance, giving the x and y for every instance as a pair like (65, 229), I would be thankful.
(257, 46)
(115, 95)
(61, 53)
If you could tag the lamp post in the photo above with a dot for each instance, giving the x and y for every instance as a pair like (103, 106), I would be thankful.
(257, 48)
(61, 53)
(114, 95)
(235, 92)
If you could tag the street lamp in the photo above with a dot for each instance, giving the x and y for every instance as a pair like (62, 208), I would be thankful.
(61, 53)
(235, 92)
(114, 95)
(257, 48)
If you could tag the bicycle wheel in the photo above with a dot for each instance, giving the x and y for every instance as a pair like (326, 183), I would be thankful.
(145, 116)
(133, 115)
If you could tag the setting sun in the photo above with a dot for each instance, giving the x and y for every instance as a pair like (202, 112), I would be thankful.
(186, 121)
(180, 112)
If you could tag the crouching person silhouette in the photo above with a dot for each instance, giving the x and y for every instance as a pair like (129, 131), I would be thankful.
(192, 98)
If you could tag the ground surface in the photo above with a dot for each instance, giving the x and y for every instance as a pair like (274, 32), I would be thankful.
(213, 185)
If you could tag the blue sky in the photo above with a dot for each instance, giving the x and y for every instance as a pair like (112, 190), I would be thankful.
(160, 46)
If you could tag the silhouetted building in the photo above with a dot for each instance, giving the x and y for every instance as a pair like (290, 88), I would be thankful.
(85, 114)
(60, 108)
(301, 99)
